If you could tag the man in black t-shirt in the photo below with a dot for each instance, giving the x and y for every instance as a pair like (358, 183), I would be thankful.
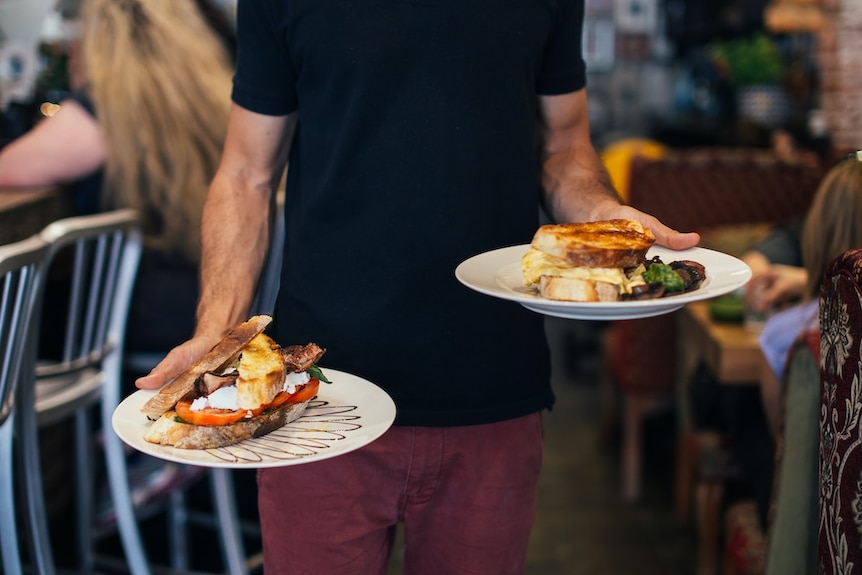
(419, 133)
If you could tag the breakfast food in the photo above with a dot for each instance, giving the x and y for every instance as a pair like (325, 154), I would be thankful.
(603, 261)
(245, 386)
(591, 261)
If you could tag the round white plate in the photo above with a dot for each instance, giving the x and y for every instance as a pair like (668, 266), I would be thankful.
(498, 273)
(346, 415)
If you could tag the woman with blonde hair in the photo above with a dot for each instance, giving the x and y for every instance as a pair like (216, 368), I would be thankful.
(143, 129)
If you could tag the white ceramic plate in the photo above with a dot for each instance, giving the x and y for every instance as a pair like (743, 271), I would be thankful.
(498, 273)
(346, 415)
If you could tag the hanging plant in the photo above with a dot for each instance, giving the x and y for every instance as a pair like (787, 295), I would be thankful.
(748, 61)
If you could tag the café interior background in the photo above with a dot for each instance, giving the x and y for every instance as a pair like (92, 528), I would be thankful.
(685, 73)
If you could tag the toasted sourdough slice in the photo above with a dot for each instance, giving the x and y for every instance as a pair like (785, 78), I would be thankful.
(170, 430)
(221, 355)
(574, 289)
(601, 244)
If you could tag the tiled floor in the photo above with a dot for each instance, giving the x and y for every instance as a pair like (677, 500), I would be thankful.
(583, 527)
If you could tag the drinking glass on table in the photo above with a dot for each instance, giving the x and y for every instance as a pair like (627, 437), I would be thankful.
(757, 306)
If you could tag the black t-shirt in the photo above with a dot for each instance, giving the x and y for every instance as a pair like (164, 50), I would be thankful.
(416, 148)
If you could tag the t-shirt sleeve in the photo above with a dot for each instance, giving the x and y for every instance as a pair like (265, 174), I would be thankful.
(264, 81)
(564, 69)
(82, 97)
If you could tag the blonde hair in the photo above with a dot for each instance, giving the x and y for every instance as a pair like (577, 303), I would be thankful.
(834, 221)
(160, 82)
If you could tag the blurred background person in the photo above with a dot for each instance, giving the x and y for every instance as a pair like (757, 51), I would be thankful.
(787, 269)
(143, 128)
(832, 226)
(777, 274)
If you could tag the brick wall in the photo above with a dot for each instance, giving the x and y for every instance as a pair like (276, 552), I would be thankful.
(840, 59)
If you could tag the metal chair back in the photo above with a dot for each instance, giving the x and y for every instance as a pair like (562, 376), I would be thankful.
(21, 277)
(99, 256)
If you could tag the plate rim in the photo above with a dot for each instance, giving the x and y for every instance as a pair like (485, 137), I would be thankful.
(131, 433)
(510, 255)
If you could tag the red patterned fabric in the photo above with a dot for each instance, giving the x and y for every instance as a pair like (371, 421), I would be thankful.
(840, 513)
(704, 188)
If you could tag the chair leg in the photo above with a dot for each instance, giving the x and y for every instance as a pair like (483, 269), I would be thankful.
(233, 549)
(686, 458)
(709, 495)
(633, 411)
(609, 392)
(728, 567)
(84, 490)
(178, 521)
(40, 541)
(8, 531)
(118, 481)
(31, 467)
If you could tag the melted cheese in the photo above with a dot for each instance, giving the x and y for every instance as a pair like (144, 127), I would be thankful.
(536, 263)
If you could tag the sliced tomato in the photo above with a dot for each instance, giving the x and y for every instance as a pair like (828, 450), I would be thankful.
(307, 391)
(209, 416)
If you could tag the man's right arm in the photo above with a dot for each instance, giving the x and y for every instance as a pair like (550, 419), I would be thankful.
(234, 233)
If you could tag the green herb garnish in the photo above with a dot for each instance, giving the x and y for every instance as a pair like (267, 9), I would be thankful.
(665, 275)
(315, 371)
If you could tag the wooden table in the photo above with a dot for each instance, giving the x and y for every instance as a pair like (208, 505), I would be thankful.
(25, 211)
(730, 350)
(732, 353)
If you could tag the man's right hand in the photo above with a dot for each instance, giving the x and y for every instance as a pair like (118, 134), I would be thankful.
(177, 361)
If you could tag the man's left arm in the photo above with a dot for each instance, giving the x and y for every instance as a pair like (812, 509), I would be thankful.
(576, 184)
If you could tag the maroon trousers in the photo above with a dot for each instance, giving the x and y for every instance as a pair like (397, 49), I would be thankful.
(466, 497)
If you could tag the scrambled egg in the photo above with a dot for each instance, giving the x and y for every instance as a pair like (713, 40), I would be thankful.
(536, 263)
(261, 373)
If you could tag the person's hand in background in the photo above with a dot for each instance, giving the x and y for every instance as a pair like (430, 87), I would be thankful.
(774, 285)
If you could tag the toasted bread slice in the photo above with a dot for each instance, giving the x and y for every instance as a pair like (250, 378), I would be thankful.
(221, 355)
(601, 244)
(169, 430)
(574, 289)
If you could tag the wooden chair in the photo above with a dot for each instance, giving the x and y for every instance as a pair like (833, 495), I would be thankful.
(792, 536)
(840, 524)
(21, 277)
